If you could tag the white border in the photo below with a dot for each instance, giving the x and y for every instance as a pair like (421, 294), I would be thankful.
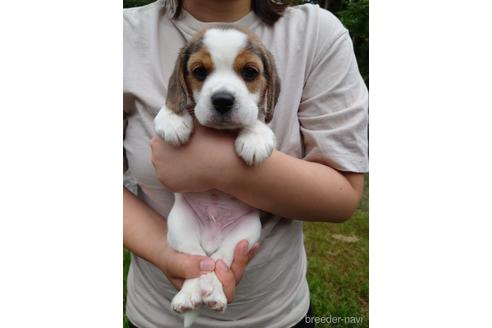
(430, 136)
(61, 176)
(60, 135)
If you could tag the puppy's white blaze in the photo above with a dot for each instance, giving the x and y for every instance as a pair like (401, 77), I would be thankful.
(224, 46)
(225, 80)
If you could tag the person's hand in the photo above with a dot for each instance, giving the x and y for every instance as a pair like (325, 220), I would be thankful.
(230, 277)
(199, 165)
(179, 266)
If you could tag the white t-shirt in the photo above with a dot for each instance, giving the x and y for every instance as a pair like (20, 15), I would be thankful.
(321, 115)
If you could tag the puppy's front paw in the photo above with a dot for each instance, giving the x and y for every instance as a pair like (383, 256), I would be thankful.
(212, 292)
(175, 129)
(255, 144)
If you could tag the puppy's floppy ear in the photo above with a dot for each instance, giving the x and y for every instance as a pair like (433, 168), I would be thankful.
(272, 90)
(178, 95)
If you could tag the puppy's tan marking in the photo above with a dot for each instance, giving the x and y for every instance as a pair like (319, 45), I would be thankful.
(201, 58)
(248, 58)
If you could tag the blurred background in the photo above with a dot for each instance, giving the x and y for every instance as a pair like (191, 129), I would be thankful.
(338, 254)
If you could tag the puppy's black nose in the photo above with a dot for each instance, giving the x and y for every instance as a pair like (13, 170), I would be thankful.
(223, 101)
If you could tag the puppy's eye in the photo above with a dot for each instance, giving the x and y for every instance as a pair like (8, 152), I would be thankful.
(249, 73)
(200, 73)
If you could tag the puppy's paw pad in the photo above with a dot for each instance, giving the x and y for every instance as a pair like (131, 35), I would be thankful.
(175, 129)
(216, 302)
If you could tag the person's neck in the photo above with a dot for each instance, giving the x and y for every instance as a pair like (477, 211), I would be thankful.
(217, 10)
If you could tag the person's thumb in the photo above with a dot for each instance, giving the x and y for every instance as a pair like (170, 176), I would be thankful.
(190, 266)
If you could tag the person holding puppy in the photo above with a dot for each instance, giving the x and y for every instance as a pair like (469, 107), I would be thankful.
(320, 124)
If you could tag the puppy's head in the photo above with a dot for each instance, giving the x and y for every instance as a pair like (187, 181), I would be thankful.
(228, 76)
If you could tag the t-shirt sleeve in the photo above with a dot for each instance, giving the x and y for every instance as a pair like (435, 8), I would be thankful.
(132, 48)
(333, 113)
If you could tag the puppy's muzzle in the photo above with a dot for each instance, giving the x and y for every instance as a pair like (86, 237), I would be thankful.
(222, 101)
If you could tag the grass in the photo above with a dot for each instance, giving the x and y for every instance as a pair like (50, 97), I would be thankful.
(126, 266)
(338, 269)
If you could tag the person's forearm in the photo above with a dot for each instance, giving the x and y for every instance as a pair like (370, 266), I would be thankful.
(144, 230)
(295, 188)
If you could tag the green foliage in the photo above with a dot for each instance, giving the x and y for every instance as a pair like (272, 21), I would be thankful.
(135, 3)
(355, 16)
(126, 267)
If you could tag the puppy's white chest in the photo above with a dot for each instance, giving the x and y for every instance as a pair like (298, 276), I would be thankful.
(216, 214)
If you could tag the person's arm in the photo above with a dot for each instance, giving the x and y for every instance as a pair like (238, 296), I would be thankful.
(282, 185)
(295, 188)
(145, 234)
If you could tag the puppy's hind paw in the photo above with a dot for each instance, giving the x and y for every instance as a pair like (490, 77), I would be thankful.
(213, 293)
(206, 285)
(185, 301)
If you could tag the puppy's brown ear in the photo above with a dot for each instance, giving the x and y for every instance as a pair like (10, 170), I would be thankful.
(273, 84)
(178, 95)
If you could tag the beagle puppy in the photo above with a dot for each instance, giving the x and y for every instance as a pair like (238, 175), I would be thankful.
(227, 79)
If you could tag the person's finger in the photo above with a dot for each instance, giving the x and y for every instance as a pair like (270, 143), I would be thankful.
(177, 283)
(189, 266)
(227, 278)
(155, 143)
(241, 259)
(252, 252)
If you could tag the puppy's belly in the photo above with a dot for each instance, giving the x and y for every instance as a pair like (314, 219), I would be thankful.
(217, 214)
